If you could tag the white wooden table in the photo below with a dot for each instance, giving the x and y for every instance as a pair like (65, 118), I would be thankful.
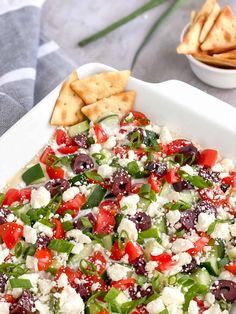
(69, 21)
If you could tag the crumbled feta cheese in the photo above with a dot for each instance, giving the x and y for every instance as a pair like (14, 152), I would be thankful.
(70, 193)
(78, 247)
(227, 276)
(193, 307)
(40, 197)
(45, 286)
(172, 295)
(4, 252)
(154, 208)
(62, 281)
(95, 148)
(129, 227)
(227, 164)
(232, 229)
(181, 259)
(181, 245)
(157, 250)
(5, 307)
(204, 221)
(150, 267)
(209, 299)
(30, 234)
(32, 263)
(16, 292)
(41, 307)
(105, 171)
(188, 169)
(130, 202)
(173, 216)
(110, 143)
(43, 228)
(117, 272)
(217, 167)
(221, 231)
(71, 302)
(165, 135)
(10, 218)
(33, 278)
(156, 306)
(78, 236)
(215, 309)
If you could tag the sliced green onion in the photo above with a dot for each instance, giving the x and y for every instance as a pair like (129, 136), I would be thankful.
(20, 283)
(52, 270)
(146, 234)
(47, 222)
(61, 246)
(93, 176)
(129, 306)
(147, 193)
(95, 197)
(81, 178)
(192, 292)
(67, 225)
(26, 219)
(33, 174)
(86, 223)
(2, 196)
(123, 238)
(134, 171)
(87, 267)
(180, 205)
(172, 280)
(196, 181)
(111, 295)
(141, 280)
(224, 261)
(18, 249)
(155, 26)
(99, 157)
(135, 140)
(11, 269)
(165, 311)
(148, 6)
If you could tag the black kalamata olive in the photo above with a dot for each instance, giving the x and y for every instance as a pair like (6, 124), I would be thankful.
(189, 268)
(121, 182)
(139, 130)
(188, 219)
(3, 282)
(191, 155)
(139, 265)
(205, 207)
(4, 212)
(81, 141)
(182, 185)
(43, 241)
(224, 290)
(142, 221)
(84, 290)
(159, 168)
(207, 174)
(57, 186)
(81, 163)
(25, 304)
(137, 292)
(78, 223)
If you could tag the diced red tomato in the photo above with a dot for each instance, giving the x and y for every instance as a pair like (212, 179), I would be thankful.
(68, 149)
(25, 194)
(111, 206)
(75, 204)
(133, 250)
(155, 182)
(215, 195)
(11, 233)
(92, 279)
(172, 176)
(55, 173)
(105, 222)
(141, 309)
(230, 180)
(100, 134)
(208, 157)
(201, 305)
(70, 273)
(44, 257)
(116, 252)
(11, 196)
(199, 244)
(44, 157)
(231, 268)
(123, 151)
(164, 261)
(8, 298)
(123, 284)
(98, 261)
(135, 189)
(138, 119)
(63, 138)
(175, 146)
(58, 231)
(103, 312)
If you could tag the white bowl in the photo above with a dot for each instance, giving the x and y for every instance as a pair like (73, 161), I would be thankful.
(221, 78)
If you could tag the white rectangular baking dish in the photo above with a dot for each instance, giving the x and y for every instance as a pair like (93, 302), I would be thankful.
(181, 107)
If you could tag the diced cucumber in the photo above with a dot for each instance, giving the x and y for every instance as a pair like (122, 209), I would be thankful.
(162, 225)
(121, 298)
(211, 265)
(110, 124)
(33, 175)
(143, 203)
(107, 242)
(232, 253)
(219, 248)
(202, 277)
(103, 157)
(187, 197)
(81, 127)
(75, 260)
(166, 189)
(92, 308)
(95, 197)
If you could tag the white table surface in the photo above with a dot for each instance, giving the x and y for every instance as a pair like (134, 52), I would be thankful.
(68, 21)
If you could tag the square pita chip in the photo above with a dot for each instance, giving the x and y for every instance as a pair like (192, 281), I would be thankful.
(119, 104)
(67, 109)
(100, 86)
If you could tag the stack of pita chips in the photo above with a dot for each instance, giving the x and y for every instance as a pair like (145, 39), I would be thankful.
(211, 37)
(94, 97)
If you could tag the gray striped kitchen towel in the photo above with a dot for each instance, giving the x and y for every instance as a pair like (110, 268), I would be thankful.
(30, 64)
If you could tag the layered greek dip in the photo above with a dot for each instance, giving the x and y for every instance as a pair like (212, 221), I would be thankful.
(120, 217)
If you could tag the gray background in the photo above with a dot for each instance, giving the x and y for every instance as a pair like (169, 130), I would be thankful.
(68, 21)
